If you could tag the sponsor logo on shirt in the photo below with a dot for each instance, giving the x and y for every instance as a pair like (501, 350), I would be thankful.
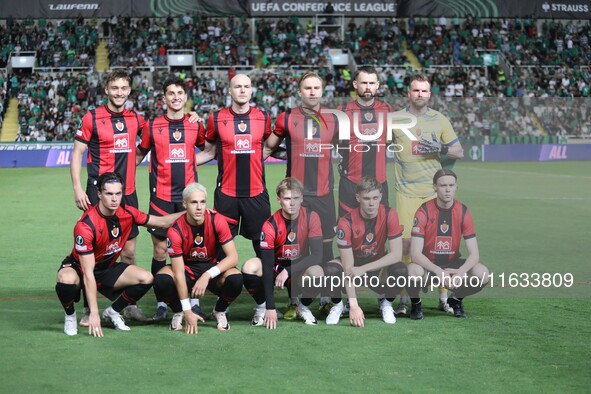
(198, 253)
(177, 154)
(290, 252)
(242, 144)
(312, 148)
(121, 143)
(443, 245)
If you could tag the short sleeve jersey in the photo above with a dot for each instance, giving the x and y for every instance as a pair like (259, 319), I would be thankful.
(111, 139)
(442, 230)
(172, 159)
(367, 237)
(290, 238)
(105, 236)
(309, 140)
(366, 158)
(198, 244)
(240, 140)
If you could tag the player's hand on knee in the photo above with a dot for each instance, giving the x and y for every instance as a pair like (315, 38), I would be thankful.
(281, 279)
(356, 316)
(200, 287)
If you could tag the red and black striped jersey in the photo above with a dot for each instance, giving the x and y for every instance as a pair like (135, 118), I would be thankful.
(368, 237)
(240, 140)
(290, 239)
(365, 158)
(105, 235)
(171, 144)
(308, 138)
(111, 139)
(198, 244)
(442, 230)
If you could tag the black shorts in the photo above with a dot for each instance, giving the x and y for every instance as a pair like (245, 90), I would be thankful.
(160, 207)
(246, 213)
(198, 269)
(455, 264)
(347, 200)
(131, 199)
(325, 208)
(105, 279)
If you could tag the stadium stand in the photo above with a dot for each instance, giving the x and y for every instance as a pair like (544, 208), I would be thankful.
(538, 61)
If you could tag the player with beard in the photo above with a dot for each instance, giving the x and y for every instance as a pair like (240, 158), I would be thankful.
(309, 136)
(418, 161)
(369, 116)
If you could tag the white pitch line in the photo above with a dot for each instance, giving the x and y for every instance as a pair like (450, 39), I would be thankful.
(525, 173)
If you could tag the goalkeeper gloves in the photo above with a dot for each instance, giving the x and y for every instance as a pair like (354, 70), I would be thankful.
(431, 146)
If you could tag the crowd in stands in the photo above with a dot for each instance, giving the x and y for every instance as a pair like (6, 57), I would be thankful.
(51, 105)
(145, 42)
(57, 43)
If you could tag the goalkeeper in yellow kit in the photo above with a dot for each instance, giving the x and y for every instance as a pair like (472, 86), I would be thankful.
(417, 162)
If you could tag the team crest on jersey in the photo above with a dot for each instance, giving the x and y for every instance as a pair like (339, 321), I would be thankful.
(368, 116)
(369, 237)
(115, 231)
(119, 125)
(444, 227)
(177, 135)
(443, 245)
(198, 239)
(176, 151)
(242, 126)
(290, 252)
(198, 253)
(291, 236)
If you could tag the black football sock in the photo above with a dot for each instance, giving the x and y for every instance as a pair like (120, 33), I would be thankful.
(230, 290)
(67, 295)
(254, 286)
(130, 296)
(165, 291)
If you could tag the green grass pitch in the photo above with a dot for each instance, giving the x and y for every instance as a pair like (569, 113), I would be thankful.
(530, 218)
